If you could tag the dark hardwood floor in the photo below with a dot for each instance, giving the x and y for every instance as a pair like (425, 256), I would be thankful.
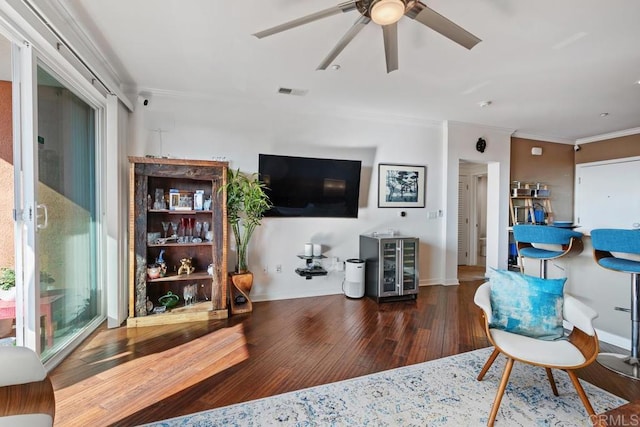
(127, 377)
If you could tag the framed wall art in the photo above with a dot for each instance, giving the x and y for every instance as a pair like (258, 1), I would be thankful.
(401, 186)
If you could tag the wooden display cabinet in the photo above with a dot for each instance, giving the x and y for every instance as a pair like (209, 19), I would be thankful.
(188, 176)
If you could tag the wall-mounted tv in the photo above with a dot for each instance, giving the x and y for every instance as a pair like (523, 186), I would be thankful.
(311, 187)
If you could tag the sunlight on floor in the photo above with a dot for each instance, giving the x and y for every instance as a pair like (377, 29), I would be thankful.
(121, 391)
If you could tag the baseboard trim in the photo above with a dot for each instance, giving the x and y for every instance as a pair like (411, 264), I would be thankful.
(613, 339)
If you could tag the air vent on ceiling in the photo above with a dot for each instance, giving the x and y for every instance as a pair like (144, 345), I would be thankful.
(290, 91)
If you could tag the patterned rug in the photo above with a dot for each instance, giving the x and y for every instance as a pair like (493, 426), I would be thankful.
(441, 392)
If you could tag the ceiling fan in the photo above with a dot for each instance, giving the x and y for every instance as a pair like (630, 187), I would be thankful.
(386, 13)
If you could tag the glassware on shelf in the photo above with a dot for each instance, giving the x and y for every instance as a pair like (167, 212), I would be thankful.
(186, 294)
(165, 228)
(205, 231)
(190, 294)
(174, 228)
(158, 203)
(197, 231)
(182, 233)
(194, 293)
(191, 222)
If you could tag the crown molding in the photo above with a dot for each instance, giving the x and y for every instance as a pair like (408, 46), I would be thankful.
(543, 138)
(617, 134)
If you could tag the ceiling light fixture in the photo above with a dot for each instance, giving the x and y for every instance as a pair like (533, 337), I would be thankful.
(386, 12)
(483, 104)
(604, 114)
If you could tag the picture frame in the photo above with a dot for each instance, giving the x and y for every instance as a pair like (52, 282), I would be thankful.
(180, 200)
(401, 186)
(185, 201)
(174, 198)
(198, 200)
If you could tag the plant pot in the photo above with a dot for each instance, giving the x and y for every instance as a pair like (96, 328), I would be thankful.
(243, 282)
(239, 290)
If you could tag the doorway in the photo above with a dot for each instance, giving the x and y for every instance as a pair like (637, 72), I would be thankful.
(472, 215)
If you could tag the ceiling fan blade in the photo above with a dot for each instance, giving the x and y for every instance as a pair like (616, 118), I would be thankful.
(342, 7)
(344, 41)
(432, 19)
(390, 34)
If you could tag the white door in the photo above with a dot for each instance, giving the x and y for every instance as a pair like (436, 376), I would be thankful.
(463, 220)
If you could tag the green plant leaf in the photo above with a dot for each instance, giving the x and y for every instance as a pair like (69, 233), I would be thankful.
(246, 204)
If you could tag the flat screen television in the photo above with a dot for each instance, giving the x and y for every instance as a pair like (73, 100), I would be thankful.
(310, 187)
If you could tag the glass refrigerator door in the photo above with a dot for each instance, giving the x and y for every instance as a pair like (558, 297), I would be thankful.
(389, 262)
(409, 260)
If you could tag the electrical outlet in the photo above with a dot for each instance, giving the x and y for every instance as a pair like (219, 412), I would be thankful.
(279, 268)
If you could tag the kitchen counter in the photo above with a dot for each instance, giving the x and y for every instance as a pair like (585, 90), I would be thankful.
(599, 288)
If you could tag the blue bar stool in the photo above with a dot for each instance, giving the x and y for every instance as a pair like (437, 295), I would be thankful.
(530, 240)
(609, 249)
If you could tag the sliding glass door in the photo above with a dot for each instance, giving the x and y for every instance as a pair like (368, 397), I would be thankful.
(66, 236)
(51, 125)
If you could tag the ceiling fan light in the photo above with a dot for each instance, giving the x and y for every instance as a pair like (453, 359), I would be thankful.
(386, 12)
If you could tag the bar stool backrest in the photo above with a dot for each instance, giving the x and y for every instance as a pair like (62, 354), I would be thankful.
(544, 234)
(616, 240)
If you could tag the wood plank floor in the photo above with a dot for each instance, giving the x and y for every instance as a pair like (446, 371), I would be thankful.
(125, 377)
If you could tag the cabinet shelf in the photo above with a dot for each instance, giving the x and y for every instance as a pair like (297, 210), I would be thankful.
(311, 270)
(152, 179)
(531, 197)
(178, 212)
(201, 311)
(173, 277)
(523, 212)
(311, 257)
(173, 245)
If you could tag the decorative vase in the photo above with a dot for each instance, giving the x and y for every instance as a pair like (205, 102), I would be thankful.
(243, 281)
(241, 284)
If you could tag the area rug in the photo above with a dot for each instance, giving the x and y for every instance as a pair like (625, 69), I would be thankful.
(441, 392)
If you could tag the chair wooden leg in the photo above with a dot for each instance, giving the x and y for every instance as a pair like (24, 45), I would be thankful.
(488, 364)
(552, 381)
(582, 394)
(500, 393)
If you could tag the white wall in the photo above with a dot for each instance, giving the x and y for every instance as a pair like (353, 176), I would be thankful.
(237, 130)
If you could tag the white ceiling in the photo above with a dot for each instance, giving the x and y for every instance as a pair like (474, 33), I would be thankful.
(549, 67)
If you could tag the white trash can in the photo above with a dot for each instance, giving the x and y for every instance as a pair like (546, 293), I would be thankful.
(354, 278)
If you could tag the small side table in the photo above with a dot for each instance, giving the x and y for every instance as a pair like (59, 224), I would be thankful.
(8, 311)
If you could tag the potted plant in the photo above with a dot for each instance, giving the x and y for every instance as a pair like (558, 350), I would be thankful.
(7, 293)
(246, 204)
(7, 284)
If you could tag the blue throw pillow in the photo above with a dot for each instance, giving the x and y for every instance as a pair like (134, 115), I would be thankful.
(527, 305)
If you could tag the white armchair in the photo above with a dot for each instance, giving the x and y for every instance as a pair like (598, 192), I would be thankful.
(579, 350)
(26, 393)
